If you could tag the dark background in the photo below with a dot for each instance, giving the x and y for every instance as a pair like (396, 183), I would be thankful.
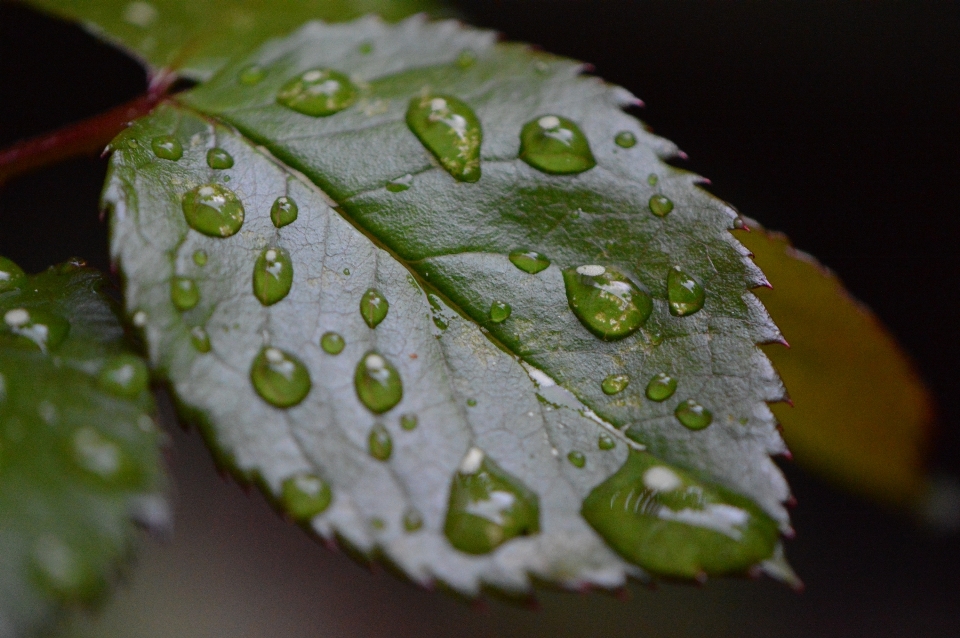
(835, 122)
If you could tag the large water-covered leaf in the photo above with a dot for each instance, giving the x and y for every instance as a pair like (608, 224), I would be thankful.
(444, 300)
(79, 456)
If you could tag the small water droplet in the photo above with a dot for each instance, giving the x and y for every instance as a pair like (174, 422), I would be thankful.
(60, 570)
(378, 383)
(200, 258)
(606, 302)
(577, 458)
(10, 274)
(661, 387)
(488, 506)
(652, 179)
(615, 383)
(167, 147)
(365, 48)
(279, 378)
(332, 343)
(284, 211)
(305, 495)
(318, 92)
(466, 59)
(346, 272)
(125, 375)
(378, 524)
(409, 421)
(380, 443)
(40, 328)
(219, 159)
(412, 520)
(184, 293)
(500, 311)
(529, 261)
(739, 224)
(272, 275)
(252, 74)
(625, 139)
(373, 307)
(606, 442)
(450, 130)
(693, 415)
(400, 184)
(140, 319)
(472, 402)
(200, 339)
(98, 455)
(555, 145)
(214, 210)
(660, 205)
(685, 295)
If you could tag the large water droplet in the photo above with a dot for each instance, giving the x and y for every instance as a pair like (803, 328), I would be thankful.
(214, 210)
(660, 205)
(279, 378)
(625, 139)
(661, 387)
(577, 458)
(378, 383)
(284, 211)
(272, 275)
(200, 339)
(318, 92)
(451, 131)
(125, 375)
(500, 311)
(10, 274)
(487, 506)
(332, 343)
(167, 147)
(606, 442)
(252, 74)
(380, 443)
(373, 307)
(693, 415)
(43, 329)
(554, 144)
(529, 261)
(606, 302)
(184, 293)
(667, 521)
(615, 383)
(218, 158)
(305, 495)
(686, 296)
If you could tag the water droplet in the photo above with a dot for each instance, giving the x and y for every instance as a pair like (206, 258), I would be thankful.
(252, 74)
(373, 307)
(686, 296)
(332, 343)
(272, 275)
(10, 274)
(378, 524)
(284, 211)
(200, 258)
(500, 311)
(167, 147)
(577, 458)
(466, 59)
(660, 205)
(555, 145)
(60, 570)
(279, 378)
(305, 495)
(43, 329)
(365, 48)
(606, 442)
(346, 272)
(200, 339)
(606, 302)
(400, 184)
(615, 383)
(318, 92)
(693, 415)
(668, 522)
(125, 375)
(652, 179)
(213, 210)
(409, 421)
(412, 520)
(661, 387)
(472, 402)
(625, 139)
(380, 443)
(450, 130)
(140, 319)
(219, 159)
(529, 261)
(184, 293)
(487, 506)
(98, 455)
(378, 383)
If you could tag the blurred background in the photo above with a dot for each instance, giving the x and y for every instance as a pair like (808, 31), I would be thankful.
(835, 122)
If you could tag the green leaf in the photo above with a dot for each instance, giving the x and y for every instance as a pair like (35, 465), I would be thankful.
(197, 37)
(467, 395)
(79, 451)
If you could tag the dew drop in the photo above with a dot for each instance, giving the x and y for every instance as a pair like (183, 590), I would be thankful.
(660, 205)
(214, 210)
(412, 520)
(380, 443)
(685, 295)
(10, 274)
(625, 139)
(500, 311)
(615, 383)
(284, 211)
(577, 458)
(606, 442)
(332, 343)
(305, 495)
(472, 402)
(99, 456)
(373, 307)
(58, 569)
(40, 328)
(661, 387)
(652, 179)
(318, 93)
(378, 383)
(450, 130)
(279, 378)
(346, 272)
(409, 422)
(272, 275)
(529, 261)
(200, 258)
(140, 319)
(606, 302)
(200, 339)
(184, 293)
(252, 74)
(167, 147)
(400, 184)
(693, 415)
(219, 159)
(125, 375)
(488, 506)
(555, 145)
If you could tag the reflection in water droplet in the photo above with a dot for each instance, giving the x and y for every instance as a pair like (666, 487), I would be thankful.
(40, 328)
(660, 205)
(378, 383)
(488, 506)
(200, 339)
(214, 210)
(661, 387)
(450, 130)
(615, 383)
(500, 311)
(332, 343)
(466, 59)
(305, 495)
(693, 415)
(667, 521)
(529, 261)
(184, 293)
(400, 184)
(577, 459)
(606, 302)
(625, 139)
(318, 92)
(10, 274)
(412, 520)
(685, 295)
(409, 421)
(219, 159)
(554, 144)
(284, 211)
(252, 74)
(167, 147)
(200, 258)
(373, 307)
(606, 442)
(279, 378)
(379, 443)
(125, 375)
(272, 275)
